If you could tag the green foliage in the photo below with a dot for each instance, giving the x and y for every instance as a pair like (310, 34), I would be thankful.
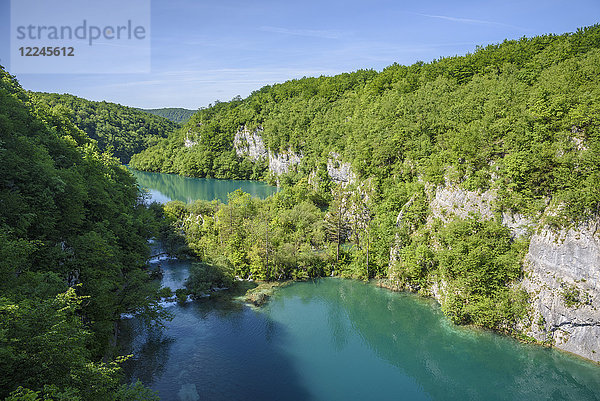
(175, 114)
(181, 295)
(134, 392)
(73, 242)
(477, 263)
(120, 130)
(205, 277)
(44, 341)
(573, 297)
(277, 238)
(519, 116)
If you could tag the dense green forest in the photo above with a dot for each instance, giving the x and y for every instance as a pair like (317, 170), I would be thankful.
(120, 130)
(523, 112)
(73, 246)
(519, 118)
(175, 114)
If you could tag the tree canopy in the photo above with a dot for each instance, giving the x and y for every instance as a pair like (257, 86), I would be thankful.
(175, 114)
(518, 118)
(519, 115)
(122, 131)
(73, 244)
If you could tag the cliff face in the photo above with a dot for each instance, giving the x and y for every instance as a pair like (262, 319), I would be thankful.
(452, 202)
(250, 144)
(562, 271)
(339, 171)
(562, 277)
(284, 162)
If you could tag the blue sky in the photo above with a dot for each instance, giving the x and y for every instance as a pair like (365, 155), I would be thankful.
(205, 51)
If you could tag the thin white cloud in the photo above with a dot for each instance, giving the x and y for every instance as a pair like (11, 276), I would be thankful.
(468, 20)
(325, 34)
(227, 76)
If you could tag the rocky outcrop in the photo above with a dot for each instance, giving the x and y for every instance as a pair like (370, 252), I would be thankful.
(188, 143)
(562, 277)
(561, 269)
(284, 162)
(452, 202)
(519, 225)
(250, 144)
(338, 171)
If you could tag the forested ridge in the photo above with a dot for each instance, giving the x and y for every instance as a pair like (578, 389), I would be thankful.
(519, 118)
(120, 130)
(73, 246)
(175, 114)
(515, 110)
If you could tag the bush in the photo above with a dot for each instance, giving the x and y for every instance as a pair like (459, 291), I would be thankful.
(479, 261)
(181, 295)
(204, 277)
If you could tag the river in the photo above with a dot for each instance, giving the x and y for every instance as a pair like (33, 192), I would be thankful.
(334, 339)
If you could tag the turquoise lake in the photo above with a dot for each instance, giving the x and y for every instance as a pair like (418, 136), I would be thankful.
(334, 339)
(166, 187)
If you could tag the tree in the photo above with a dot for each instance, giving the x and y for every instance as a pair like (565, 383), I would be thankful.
(337, 225)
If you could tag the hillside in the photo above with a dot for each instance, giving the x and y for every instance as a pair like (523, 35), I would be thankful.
(456, 179)
(73, 242)
(513, 111)
(122, 130)
(175, 114)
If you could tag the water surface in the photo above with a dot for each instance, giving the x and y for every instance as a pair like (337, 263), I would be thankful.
(334, 339)
(166, 187)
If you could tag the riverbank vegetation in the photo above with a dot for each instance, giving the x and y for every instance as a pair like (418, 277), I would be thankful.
(517, 119)
(73, 246)
(287, 237)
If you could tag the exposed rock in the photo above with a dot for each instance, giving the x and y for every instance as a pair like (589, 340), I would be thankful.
(338, 171)
(519, 225)
(438, 290)
(452, 202)
(313, 180)
(400, 219)
(250, 144)
(188, 143)
(284, 162)
(563, 280)
(562, 271)
(578, 139)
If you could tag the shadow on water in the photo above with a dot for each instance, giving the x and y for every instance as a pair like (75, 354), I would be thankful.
(150, 350)
(214, 350)
(444, 361)
(337, 339)
(166, 187)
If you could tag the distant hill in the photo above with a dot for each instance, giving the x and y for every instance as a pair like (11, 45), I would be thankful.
(123, 130)
(175, 114)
